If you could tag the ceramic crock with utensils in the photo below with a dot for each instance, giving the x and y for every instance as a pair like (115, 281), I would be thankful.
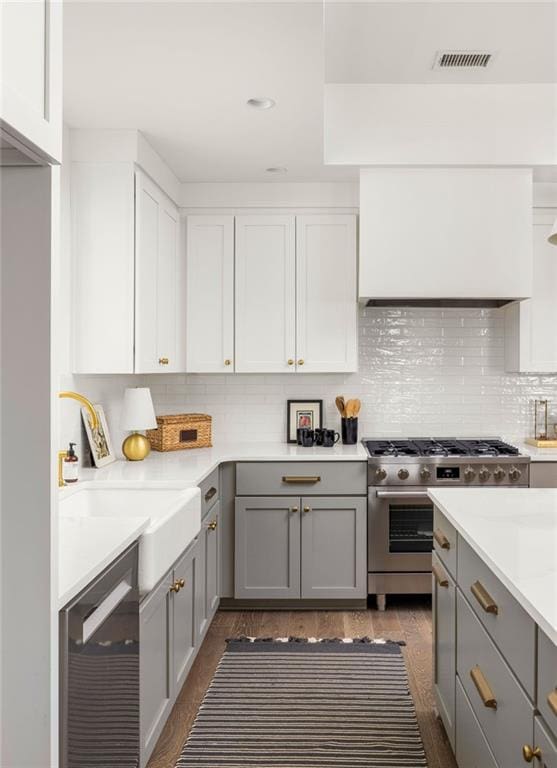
(349, 410)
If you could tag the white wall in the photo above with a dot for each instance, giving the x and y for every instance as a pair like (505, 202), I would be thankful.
(422, 372)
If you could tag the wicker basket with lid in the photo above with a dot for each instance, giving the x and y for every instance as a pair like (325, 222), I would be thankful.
(183, 430)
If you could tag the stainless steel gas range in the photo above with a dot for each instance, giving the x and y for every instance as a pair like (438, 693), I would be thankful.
(400, 514)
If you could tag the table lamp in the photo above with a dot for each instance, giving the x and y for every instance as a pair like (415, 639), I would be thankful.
(138, 414)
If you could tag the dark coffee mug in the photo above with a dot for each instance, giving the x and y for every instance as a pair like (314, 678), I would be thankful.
(305, 436)
(329, 438)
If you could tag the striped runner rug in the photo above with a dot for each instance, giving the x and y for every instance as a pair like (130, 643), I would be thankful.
(293, 703)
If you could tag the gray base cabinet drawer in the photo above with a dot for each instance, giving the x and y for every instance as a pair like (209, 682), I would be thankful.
(502, 708)
(472, 749)
(444, 541)
(544, 741)
(210, 492)
(444, 645)
(507, 622)
(341, 478)
(547, 681)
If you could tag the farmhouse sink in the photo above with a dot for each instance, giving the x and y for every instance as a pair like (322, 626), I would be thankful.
(174, 513)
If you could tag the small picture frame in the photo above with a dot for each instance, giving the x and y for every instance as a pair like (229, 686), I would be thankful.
(302, 413)
(100, 443)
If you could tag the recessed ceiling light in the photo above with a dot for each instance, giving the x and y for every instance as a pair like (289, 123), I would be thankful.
(261, 102)
(277, 169)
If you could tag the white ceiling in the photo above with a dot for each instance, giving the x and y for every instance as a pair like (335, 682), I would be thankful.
(397, 42)
(181, 72)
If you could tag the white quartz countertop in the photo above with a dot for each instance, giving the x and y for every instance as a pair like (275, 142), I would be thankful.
(536, 454)
(87, 545)
(191, 466)
(515, 532)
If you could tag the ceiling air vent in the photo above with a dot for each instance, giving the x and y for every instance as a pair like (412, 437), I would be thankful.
(462, 60)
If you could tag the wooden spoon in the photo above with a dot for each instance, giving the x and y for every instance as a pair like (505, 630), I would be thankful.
(357, 404)
(349, 409)
(340, 405)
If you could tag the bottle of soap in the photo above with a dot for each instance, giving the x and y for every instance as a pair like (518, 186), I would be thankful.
(70, 466)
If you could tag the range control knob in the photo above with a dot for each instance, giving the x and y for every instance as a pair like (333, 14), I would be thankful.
(380, 474)
(403, 474)
(425, 473)
(469, 473)
(499, 473)
(514, 474)
(484, 474)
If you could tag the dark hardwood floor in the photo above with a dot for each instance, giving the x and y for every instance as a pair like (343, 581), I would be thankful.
(406, 619)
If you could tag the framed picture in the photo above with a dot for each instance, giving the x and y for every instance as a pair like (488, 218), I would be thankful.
(100, 442)
(302, 413)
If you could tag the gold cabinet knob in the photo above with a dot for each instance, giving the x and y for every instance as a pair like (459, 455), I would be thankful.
(290, 361)
(300, 361)
(529, 754)
(307, 509)
(212, 526)
(163, 361)
(294, 509)
(177, 586)
(182, 583)
(228, 362)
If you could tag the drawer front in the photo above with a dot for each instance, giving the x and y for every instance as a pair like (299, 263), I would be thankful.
(342, 478)
(512, 630)
(210, 492)
(444, 541)
(544, 741)
(547, 680)
(472, 749)
(510, 725)
(444, 645)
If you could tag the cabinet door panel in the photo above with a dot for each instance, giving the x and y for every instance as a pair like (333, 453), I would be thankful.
(184, 627)
(155, 664)
(334, 546)
(326, 293)
(212, 562)
(267, 555)
(444, 645)
(210, 293)
(265, 293)
(544, 740)
(156, 280)
(472, 749)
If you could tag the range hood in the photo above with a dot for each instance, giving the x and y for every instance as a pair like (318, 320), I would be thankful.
(445, 237)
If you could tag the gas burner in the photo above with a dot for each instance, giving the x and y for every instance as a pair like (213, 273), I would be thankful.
(489, 447)
(391, 448)
(439, 447)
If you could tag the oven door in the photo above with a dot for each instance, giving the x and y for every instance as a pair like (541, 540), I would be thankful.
(400, 530)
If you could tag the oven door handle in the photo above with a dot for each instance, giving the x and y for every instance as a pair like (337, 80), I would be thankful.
(401, 494)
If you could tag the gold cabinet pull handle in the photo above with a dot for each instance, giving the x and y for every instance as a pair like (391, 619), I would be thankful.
(177, 586)
(307, 509)
(552, 701)
(439, 576)
(441, 539)
(484, 598)
(301, 479)
(529, 754)
(486, 694)
(163, 361)
(212, 526)
(228, 362)
(290, 361)
(300, 361)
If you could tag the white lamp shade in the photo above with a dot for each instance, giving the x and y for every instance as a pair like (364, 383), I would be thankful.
(553, 234)
(138, 412)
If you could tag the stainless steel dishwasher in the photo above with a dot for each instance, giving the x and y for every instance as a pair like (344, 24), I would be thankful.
(99, 671)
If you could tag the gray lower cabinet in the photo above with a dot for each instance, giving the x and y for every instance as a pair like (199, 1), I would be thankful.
(208, 576)
(545, 744)
(444, 644)
(184, 629)
(334, 547)
(267, 553)
(155, 663)
(472, 749)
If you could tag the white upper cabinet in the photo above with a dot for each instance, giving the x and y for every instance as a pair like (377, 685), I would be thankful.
(326, 288)
(445, 233)
(31, 76)
(531, 326)
(158, 281)
(210, 294)
(265, 294)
